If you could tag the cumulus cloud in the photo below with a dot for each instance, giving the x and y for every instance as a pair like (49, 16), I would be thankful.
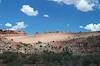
(81, 27)
(26, 9)
(91, 27)
(82, 5)
(8, 25)
(46, 15)
(68, 25)
(19, 26)
(56, 0)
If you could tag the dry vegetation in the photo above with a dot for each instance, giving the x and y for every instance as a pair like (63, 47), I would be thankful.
(50, 49)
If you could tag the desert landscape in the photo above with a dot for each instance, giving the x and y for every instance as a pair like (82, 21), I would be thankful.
(49, 32)
(57, 40)
(61, 44)
(47, 37)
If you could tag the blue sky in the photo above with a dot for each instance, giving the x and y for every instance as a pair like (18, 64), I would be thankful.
(50, 15)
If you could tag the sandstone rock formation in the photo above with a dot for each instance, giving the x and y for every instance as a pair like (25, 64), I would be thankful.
(11, 33)
(78, 43)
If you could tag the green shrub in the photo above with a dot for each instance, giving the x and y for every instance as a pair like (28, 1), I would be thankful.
(9, 57)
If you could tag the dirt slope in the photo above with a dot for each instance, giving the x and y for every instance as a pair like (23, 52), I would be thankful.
(47, 37)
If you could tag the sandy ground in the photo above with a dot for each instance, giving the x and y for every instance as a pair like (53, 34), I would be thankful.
(49, 37)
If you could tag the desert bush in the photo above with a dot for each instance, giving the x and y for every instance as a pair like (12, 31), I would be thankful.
(9, 57)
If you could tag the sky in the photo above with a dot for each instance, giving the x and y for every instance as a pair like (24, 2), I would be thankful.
(50, 15)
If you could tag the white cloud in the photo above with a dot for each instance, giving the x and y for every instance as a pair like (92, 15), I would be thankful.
(8, 25)
(81, 27)
(29, 10)
(56, 0)
(85, 6)
(91, 27)
(46, 15)
(68, 25)
(19, 26)
(82, 5)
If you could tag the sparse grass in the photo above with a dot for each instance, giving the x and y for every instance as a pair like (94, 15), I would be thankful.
(15, 56)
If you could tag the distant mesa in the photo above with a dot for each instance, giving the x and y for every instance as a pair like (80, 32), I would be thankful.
(21, 36)
(11, 32)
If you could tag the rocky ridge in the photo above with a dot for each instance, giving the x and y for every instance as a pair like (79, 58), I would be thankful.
(83, 44)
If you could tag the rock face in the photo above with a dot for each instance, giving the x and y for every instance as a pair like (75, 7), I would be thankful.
(84, 46)
(78, 43)
(78, 46)
(11, 32)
